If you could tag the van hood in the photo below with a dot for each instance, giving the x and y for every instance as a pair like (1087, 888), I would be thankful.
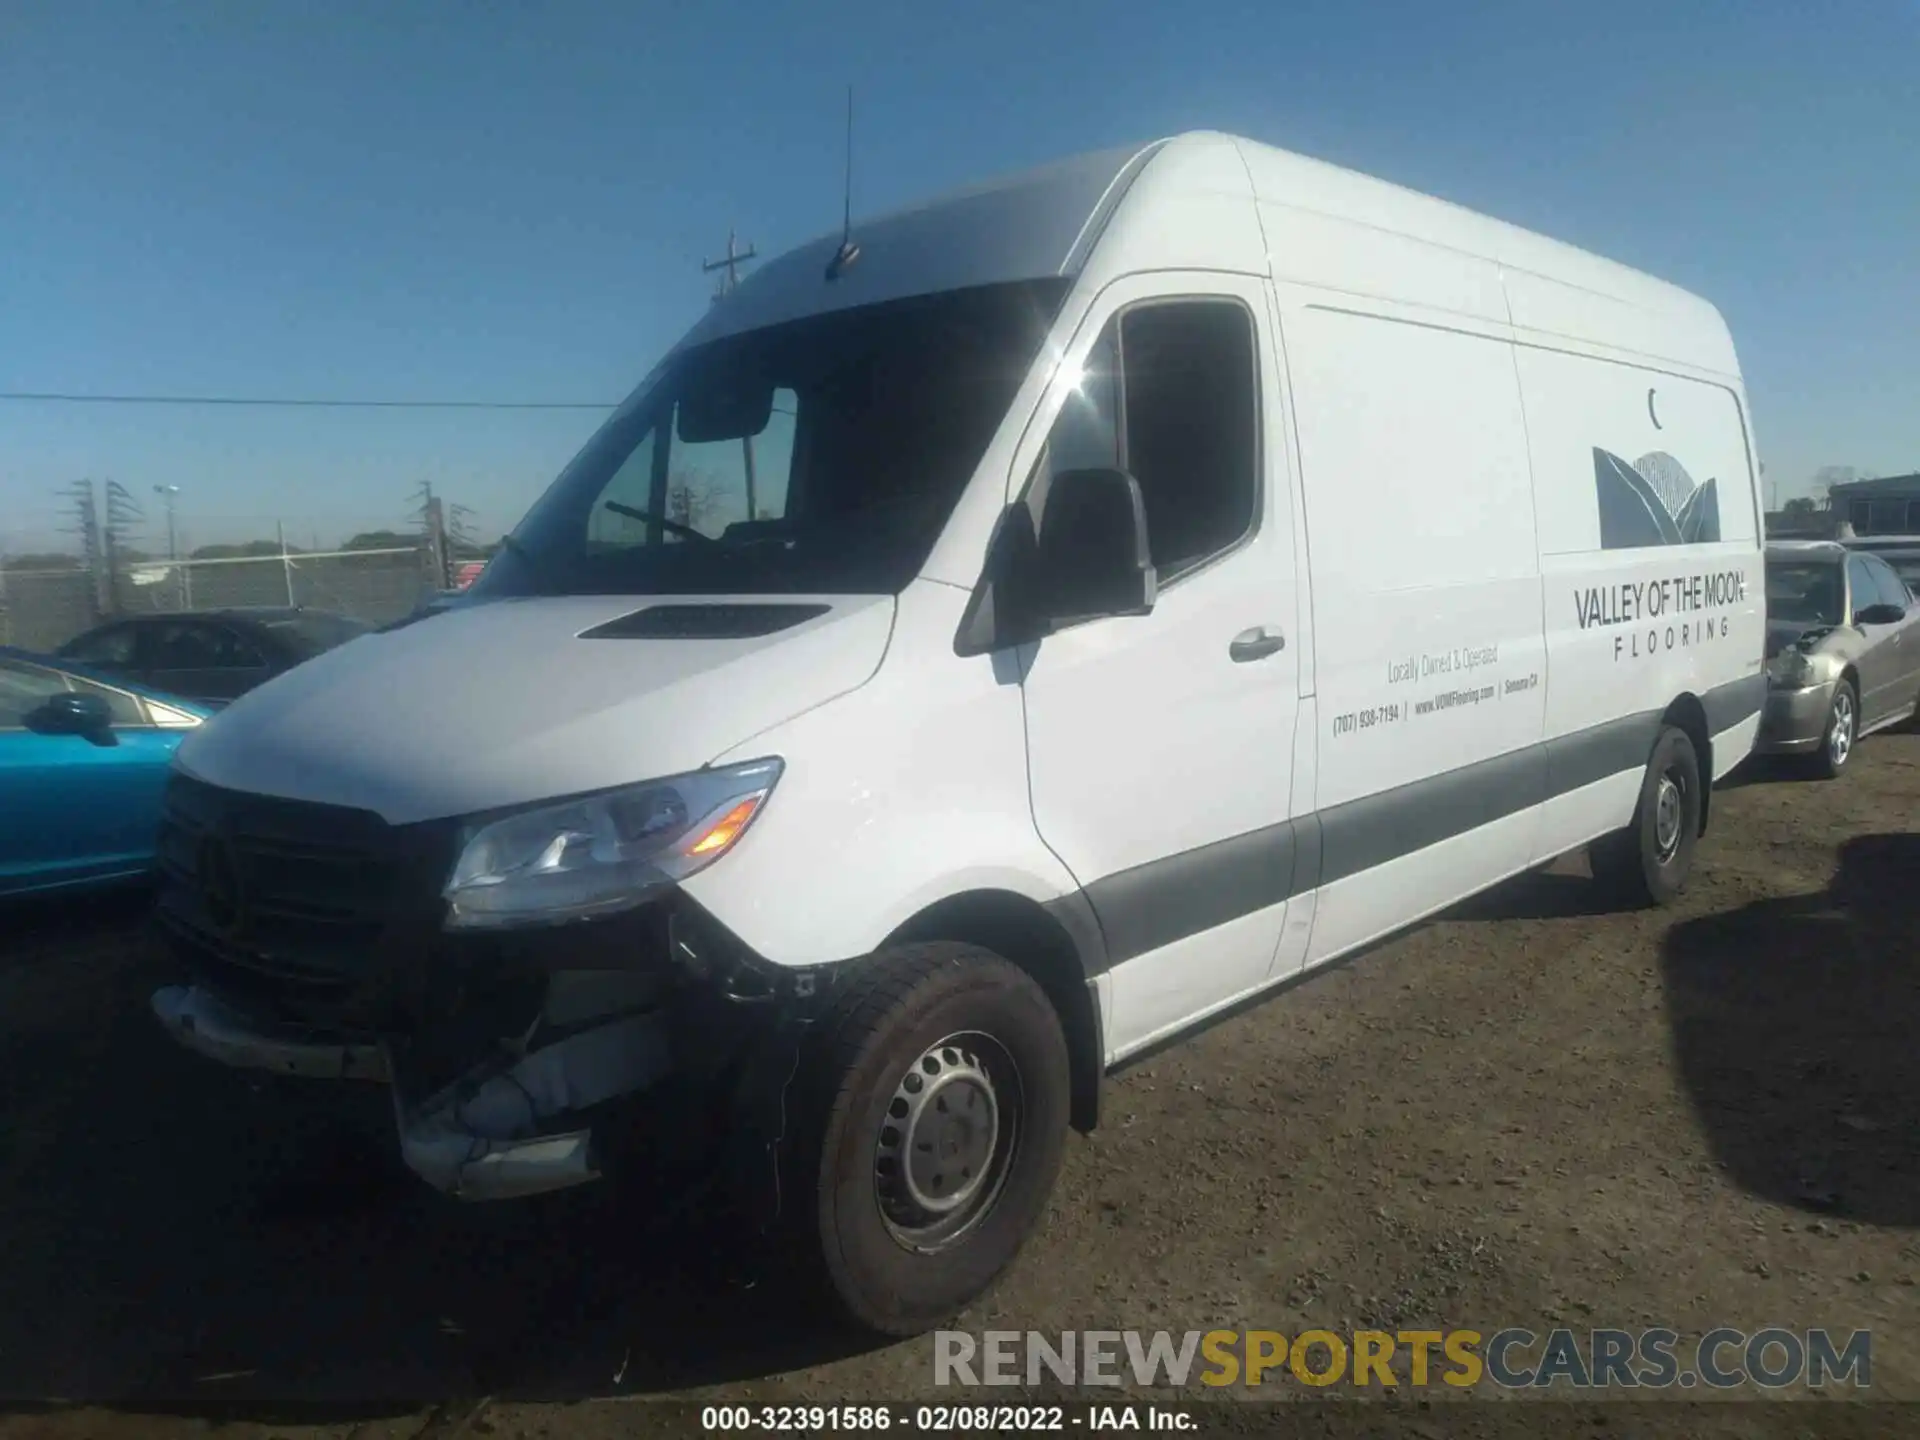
(519, 701)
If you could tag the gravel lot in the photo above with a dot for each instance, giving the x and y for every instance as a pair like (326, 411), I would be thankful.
(1526, 1113)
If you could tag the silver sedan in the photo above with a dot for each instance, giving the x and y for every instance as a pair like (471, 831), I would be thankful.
(1843, 651)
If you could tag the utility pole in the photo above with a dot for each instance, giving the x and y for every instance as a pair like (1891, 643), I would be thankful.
(433, 524)
(182, 575)
(286, 565)
(460, 532)
(123, 513)
(731, 264)
(730, 279)
(167, 494)
(87, 527)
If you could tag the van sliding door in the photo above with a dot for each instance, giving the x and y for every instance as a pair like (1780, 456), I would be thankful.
(1428, 653)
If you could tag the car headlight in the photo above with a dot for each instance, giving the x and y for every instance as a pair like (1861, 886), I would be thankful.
(597, 854)
(1791, 669)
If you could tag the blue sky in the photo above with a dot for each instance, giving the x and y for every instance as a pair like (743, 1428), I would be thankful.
(511, 201)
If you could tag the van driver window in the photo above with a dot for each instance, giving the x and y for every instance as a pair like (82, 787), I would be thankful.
(1188, 430)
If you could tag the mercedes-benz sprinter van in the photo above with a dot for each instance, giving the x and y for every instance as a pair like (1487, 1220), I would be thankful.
(990, 645)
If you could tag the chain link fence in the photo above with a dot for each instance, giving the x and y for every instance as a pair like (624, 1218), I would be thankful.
(42, 608)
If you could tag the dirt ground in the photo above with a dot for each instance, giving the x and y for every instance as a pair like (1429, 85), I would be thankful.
(1527, 1113)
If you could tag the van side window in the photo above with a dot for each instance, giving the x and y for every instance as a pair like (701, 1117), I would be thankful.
(610, 524)
(1168, 393)
(1086, 433)
(1192, 429)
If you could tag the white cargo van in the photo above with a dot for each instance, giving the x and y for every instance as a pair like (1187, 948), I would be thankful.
(991, 645)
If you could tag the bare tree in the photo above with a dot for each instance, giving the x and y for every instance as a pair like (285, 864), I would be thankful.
(693, 497)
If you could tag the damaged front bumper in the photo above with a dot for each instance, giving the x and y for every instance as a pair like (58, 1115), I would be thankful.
(203, 1023)
(487, 1137)
(688, 1051)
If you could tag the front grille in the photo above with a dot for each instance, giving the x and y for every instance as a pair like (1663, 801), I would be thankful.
(291, 902)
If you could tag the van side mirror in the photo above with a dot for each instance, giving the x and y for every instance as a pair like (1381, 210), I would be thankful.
(1879, 615)
(1093, 556)
(1092, 563)
(74, 713)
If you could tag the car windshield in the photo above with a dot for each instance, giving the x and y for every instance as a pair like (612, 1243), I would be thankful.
(1804, 592)
(308, 635)
(822, 455)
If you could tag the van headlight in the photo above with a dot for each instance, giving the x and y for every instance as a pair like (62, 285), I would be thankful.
(598, 854)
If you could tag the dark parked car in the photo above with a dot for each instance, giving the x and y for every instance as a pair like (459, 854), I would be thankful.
(212, 656)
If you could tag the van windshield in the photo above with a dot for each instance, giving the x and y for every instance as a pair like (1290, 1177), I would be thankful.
(822, 455)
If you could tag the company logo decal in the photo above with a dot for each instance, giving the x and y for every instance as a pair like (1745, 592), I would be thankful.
(1653, 501)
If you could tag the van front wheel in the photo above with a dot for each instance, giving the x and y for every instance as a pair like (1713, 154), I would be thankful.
(932, 1113)
(1649, 861)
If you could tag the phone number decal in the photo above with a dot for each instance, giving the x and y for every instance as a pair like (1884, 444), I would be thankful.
(1349, 721)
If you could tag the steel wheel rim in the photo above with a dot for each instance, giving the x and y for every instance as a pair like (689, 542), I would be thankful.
(1840, 733)
(1669, 816)
(947, 1140)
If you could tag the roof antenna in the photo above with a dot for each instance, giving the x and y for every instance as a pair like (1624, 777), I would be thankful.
(848, 252)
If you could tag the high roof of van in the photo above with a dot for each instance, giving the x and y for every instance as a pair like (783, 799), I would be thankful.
(1211, 201)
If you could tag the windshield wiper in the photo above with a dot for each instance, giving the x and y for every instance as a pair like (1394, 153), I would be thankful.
(635, 513)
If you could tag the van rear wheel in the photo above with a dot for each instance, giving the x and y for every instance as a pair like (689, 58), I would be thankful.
(1648, 862)
(932, 1115)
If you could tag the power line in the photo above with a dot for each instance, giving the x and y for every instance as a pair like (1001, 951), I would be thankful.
(59, 398)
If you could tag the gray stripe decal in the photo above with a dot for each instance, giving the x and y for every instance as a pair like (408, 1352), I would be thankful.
(1309, 854)
(1168, 899)
(1606, 749)
(1727, 705)
(1374, 829)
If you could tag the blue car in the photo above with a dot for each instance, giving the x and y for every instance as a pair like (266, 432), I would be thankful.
(83, 762)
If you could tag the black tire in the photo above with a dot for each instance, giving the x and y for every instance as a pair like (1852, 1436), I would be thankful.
(1829, 762)
(1648, 862)
(863, 1095)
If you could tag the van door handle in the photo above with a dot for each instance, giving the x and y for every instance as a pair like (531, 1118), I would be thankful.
(1255, 644)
